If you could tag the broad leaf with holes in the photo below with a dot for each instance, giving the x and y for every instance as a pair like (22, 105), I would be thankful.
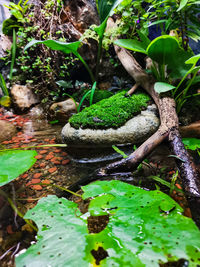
(15, 162)
(61, 236)
(145, 228)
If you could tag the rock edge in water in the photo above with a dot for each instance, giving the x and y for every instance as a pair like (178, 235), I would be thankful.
(134, 131)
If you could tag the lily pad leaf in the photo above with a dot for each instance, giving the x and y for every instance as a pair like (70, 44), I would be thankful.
(161, 87)
(15, 162)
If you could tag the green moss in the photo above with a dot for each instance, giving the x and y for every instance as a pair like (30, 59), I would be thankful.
(112, 112)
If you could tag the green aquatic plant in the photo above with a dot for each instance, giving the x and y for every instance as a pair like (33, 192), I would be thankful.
(143, 228)
(15, 162)
(112, 112)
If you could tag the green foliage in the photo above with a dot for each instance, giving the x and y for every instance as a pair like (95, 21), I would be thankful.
(166, 51)
(145, 228)
(91, 93)
(112, 112)
(41, 67)
(15, 162)
(163, 87)
(66, 48)
(14, 47)
(191, 143)
(17, 11)
(98, 95)
(4, 100)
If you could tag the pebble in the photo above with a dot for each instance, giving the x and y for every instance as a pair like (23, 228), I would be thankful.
(43, 152)
(36, 187)
(24, 176)
(35, 181)
(38, 157)
(49, 156)
(51, 170)
(46, 181)
(66, 161)
(37, 175)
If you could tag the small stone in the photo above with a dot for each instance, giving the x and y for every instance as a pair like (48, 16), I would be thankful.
(64, 154)
(38, 157)
(57, 162)
(65, 162)
(51, 170)
(46, 181)
(178, 186)
(24, 176)
(42, 165)
(43, 152)
(35, 181)
(37, 187)
(49, 156)
(37, 175)
(9, 229)
(57, 150)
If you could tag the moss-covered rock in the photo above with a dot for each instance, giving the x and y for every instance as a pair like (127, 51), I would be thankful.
(112, 112)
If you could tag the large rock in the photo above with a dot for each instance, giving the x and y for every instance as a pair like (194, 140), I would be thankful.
(23, 96)
(62, 111)
(8, 130)
(134, 131)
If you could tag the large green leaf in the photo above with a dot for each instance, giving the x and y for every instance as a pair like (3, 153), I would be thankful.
(161, 87)
(15, 162)
(133, 45)
(163, 48)
(183, 3)
(61, 237)
(191, 143)
(193, 60)
(57, 45)
(145, 228)
(106, 7)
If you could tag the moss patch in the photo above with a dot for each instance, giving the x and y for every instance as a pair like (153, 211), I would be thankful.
(112, 112)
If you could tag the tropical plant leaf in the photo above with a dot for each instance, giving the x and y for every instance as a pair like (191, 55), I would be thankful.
(161, 87)
(15, 162)
(5, 101)
(57, 45)
(183, 3)
(133, 45)
(191, 143)
(163, 48)
(145, 228)
(106, 7)
(193, 60)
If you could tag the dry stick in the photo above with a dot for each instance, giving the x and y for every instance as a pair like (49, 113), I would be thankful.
(169, 129)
